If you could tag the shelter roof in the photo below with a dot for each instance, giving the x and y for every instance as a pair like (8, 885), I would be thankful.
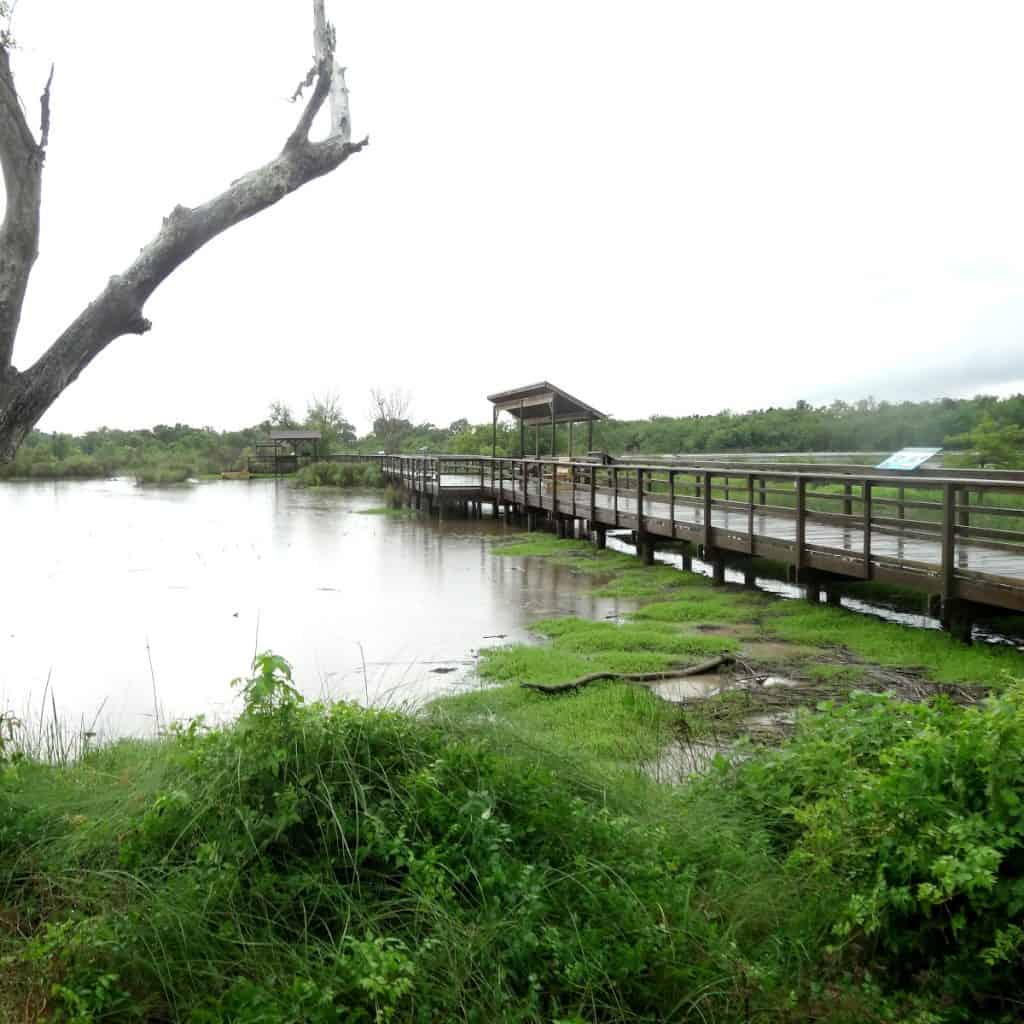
(295, 435)
(534, 404)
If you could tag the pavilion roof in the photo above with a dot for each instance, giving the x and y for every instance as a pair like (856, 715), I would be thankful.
(535, 402)
(295, 435)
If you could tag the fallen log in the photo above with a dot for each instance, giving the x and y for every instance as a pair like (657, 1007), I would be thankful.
(630, 677)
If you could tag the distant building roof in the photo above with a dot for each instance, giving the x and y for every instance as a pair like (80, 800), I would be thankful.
(534, 403)
(295, 435)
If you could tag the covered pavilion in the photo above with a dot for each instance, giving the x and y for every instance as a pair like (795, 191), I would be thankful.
(540, 405)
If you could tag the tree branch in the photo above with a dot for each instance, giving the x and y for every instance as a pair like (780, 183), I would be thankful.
(44, 118)
(21, 158)
(631, 677)
(118, 309)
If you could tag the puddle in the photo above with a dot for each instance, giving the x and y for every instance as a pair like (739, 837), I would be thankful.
(690, 688)
(778, 681)
(681, 760)
(771, 722)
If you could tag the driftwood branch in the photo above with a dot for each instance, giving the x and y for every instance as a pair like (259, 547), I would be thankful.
(630, 677)
(118, 309)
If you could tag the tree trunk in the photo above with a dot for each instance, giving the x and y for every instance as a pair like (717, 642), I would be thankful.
(118, 309)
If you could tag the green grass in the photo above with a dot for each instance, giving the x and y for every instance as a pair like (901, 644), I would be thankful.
(312, 864)
(500, 857)
(583, 636)
(887, 643)
(832, 673)
(704, 606)
(648, 581)
(339, 474)
(606, 726)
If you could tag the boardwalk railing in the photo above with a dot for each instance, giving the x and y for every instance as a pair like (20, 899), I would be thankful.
(959, 537)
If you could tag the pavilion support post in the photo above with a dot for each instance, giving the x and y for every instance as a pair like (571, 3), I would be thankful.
(570, 440)
(686, 559)
(957, 619)
(645, 548)
(494, 435)
(812, 587)
(522, 433)
(717, 568)
(590, 435)
(554, 442)
(536, 441)
(833, 595)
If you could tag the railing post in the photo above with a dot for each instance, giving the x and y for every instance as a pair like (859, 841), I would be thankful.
(847, 499)
(593, 495)
(706, 481)
(672, 503)
(639, 500)
(554, 489)
(750, 513)
(948, 541)
(965, 515)
(801, 502)
(866, 494)
(615, 494)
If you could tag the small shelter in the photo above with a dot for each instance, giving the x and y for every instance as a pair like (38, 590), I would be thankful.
(542, 405)
(289, 445)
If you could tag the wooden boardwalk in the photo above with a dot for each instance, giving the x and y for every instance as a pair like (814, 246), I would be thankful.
(959, 537)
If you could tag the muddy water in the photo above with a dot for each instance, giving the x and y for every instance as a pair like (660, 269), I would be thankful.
(115, 592)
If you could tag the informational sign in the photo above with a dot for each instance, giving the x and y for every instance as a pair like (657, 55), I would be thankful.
(908, 458)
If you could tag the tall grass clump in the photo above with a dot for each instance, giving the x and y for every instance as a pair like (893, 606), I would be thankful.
(316, 864)
(155, 472)
(340, 474)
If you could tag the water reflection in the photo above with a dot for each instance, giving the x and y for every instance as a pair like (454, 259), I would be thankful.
(367, 607)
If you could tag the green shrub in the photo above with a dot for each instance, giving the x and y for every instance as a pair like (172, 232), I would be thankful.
(315, 864)
(918, 809)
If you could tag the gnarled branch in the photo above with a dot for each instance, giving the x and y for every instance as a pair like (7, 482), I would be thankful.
(22, 160)
(630, 677)
(118, 309)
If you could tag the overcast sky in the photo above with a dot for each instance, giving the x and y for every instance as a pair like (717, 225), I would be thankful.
(663, 207)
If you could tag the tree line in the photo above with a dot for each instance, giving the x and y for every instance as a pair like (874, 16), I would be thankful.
(985, 430)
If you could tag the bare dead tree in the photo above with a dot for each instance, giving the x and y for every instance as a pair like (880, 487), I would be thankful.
(118, 310)
(389, 411)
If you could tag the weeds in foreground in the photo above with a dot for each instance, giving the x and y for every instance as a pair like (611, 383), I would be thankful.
(315, 864)
(312, 864)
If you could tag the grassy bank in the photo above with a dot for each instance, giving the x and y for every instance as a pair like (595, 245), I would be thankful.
(507, 856)
(317, 864)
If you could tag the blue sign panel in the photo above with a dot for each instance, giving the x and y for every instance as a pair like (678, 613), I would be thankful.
(908, 458)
